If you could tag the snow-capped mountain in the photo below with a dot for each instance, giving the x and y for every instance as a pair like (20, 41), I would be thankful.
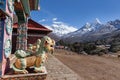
(88, 27)
(116, 23)
(60, 28)
(92, 31)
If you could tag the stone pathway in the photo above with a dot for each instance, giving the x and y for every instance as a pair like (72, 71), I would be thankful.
(58, 71)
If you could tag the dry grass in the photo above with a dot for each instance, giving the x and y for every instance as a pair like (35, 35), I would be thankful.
(91, 67)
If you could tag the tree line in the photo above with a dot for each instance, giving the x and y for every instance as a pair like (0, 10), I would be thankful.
(99, 47)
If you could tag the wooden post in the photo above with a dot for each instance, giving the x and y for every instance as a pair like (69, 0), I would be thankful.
(6, 21)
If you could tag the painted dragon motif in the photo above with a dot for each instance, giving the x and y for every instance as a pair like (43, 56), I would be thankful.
(35, 56)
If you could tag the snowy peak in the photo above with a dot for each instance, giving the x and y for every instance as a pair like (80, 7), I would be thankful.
(90, 26)
(97, 21)
(86, 27)
(87, 24)
(60, 28)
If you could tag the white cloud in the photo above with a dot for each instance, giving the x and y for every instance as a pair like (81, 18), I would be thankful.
(57, 22)
(54, 19)
(43, 20)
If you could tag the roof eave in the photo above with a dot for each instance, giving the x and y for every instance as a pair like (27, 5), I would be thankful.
(36, 5)
(26, 6)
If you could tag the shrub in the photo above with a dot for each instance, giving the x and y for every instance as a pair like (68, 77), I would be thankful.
(115, 47)
(89, 47)
(99, 51)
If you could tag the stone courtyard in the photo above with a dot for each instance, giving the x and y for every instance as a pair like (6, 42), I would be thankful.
(58, 71)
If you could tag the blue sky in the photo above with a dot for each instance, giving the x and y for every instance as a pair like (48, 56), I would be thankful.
(76, 12)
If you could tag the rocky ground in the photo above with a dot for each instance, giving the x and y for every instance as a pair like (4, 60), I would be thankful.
(91, 67)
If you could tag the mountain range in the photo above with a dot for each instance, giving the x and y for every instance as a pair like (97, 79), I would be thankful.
(93, 31)
(89, 32)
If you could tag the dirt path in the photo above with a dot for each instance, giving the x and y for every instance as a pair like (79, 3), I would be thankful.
(91, 67)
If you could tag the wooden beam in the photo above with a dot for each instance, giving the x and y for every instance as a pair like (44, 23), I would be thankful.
(34, 4)
(19, 10)
(18, 6)
(26, 6)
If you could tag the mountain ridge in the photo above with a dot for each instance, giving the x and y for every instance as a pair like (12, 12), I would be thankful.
(92, 31)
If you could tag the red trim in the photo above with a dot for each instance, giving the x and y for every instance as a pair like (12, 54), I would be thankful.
(32, 25)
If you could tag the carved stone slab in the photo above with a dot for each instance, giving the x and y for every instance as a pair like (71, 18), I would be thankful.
(30, 76)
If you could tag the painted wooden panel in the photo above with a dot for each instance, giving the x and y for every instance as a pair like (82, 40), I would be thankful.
(7, 34)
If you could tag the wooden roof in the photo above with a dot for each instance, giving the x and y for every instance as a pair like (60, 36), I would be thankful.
(32, 25)
(23, 7)
(26, 5)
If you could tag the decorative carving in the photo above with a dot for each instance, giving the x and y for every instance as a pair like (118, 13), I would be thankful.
(35, 56)
(34, 47)
(10, 6)
(22, 37)
(7, 47)
(8, 25)
(53, 43)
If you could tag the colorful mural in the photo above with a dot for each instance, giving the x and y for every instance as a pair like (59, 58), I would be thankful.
(9, 23)
(7, 47)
